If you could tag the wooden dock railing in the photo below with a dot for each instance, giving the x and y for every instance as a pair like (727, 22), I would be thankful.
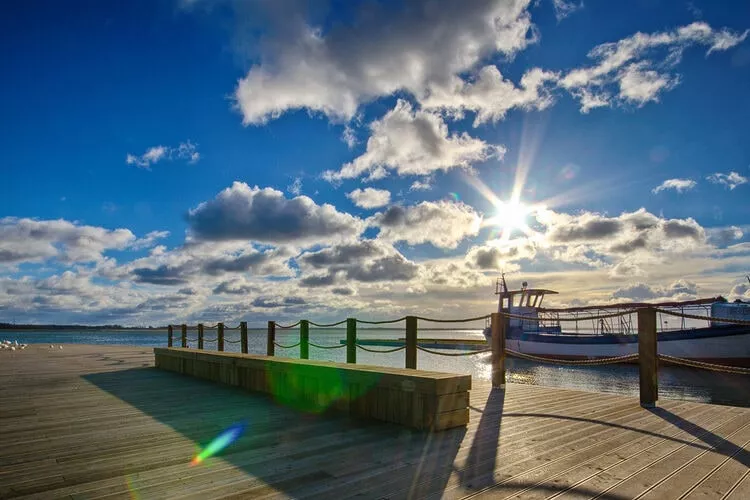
(647, 357)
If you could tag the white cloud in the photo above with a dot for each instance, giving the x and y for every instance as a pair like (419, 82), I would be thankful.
(30, 240)
(491, 96)
(382, 53)
(679, 185)
(639, 80)
(295, 187)
(149, 240)
(243, 213)
(422, 184)
(413, 142)
(679, 290)
(184, 151)
(730, 180)
(564, 8)
(370, 197)
(442, 224)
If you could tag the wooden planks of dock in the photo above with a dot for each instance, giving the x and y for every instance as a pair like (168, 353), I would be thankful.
(101, 422)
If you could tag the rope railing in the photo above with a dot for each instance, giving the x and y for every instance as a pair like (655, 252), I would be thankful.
(703, 365)
(453, 354)
(381, 322)
(328, 325)
(232, 327)
(580, 362)
(466, 320)
(286, 346)
(704, 318)
(232, 341)
(380, 351)
(210, 340)
(327, 346)
(288, 326)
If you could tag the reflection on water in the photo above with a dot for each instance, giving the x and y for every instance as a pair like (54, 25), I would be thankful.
(674, 382)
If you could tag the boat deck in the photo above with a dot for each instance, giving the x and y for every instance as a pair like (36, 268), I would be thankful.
(101, 422)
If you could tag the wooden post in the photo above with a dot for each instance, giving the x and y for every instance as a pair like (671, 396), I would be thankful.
(351, 340)
(243, 336)
(304, 339)
(184, 335)
(499, 327)
(648, 357)
(411, 342)
(170, 333)
(200, 335)
(220, 336)
(271, 339)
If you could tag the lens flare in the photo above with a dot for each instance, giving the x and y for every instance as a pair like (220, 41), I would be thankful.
(221, 441)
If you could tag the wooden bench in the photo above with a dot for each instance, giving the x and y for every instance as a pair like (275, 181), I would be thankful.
(413, 398)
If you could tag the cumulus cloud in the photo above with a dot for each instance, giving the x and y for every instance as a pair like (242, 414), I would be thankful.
(30, 240)
(366, 261)
(443, 224)
(730, 180)
(679, 185)
(333, 72)
(413, 142)
(184, 151)
(370, 197)
(265, 215)
(636, 69)
(491, 96)
(679, 290)
(497, 254)
(589, 234)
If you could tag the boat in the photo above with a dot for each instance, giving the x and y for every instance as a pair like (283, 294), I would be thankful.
(538, 331)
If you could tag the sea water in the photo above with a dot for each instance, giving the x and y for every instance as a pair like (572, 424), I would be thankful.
(674, 382)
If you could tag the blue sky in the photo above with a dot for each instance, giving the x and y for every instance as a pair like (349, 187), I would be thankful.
(218, 159)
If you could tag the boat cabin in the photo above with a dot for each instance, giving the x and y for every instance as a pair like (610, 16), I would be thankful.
(524, 302)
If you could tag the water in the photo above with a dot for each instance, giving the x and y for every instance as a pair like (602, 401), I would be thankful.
(674, 382)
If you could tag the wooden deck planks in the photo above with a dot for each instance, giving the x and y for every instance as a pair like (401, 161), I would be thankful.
(97, 422)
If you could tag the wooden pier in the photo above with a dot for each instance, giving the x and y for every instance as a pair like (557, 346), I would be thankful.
(101, 422)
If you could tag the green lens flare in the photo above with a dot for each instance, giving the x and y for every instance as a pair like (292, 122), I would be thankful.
(221, 441)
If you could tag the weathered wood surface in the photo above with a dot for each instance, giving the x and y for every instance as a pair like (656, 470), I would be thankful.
(101, 422)
(412, 398)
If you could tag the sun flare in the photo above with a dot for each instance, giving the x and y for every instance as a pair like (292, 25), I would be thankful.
(511, 215)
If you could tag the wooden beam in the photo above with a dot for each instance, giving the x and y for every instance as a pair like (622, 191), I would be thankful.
(351, 340)
(200, 336)
(648, 357)
(304, 339)
(271, 339)
(184, 335)
(499, 327)
(411, 342)
(243, 337)
(220, 336)
(170, 333)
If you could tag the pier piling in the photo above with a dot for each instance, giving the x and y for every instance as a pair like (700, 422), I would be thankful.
(411, 342)
(220, 336)
(499, 327)
(271, 339)
(200, 335)
(243, 337)
(647, 357)
(304, 339)
(351, 340)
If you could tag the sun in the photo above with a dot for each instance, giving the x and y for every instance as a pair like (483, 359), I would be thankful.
(511, 215)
